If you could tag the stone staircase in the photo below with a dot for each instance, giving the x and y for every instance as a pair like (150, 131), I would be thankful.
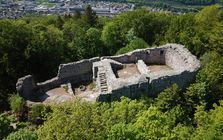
(102, 79)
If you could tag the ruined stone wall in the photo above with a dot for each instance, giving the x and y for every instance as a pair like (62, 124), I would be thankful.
(149, 56)
(184, 65)
(150, 88)
(134, 91)
(49, 84)
(142, 67)
(110, 73)
(183, 80)
(25, 86)
(77, 72)
(179, 58)
(131, 91)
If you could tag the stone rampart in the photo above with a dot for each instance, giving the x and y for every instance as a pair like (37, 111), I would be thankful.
(183, 67)
(149, 56)
(157, 85)
(142, 67)
(133, 91)
(77, 72)
(49, 84)
(179, 58)
(26, 86)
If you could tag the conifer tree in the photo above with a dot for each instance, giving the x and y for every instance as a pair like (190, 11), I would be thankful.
(90, 16)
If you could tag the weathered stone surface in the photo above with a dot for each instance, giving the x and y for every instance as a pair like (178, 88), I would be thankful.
(76, 68)
(149, 56)
(142, 67)
(177, 63)
(182, 63)
(179, 58)
(26, 86)
(49, 84)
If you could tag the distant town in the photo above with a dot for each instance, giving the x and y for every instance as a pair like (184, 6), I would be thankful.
(16, 9)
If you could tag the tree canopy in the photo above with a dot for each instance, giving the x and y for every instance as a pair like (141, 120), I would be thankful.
(37, 45)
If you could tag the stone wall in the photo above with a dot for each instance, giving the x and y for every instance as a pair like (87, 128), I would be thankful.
(49, 84)
(184, 65)
(77, 72)
(179, 58)
(26, 86)
(150, 88)
(134, 91)
(74, 73)
(183, 80)
(142, 67)
(149, 56)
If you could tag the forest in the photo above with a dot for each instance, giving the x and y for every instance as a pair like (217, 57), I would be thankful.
(38, 44)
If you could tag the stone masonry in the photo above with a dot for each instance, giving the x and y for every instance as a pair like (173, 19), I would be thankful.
(141, 72)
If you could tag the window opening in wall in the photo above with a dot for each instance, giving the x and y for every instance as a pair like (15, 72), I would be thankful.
(161, 52)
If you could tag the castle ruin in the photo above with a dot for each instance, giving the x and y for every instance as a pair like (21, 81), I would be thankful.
(143, 71)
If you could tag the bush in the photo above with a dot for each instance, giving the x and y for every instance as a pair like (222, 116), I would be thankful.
(136, 43)
(22, 134)
(5, 128)
(17, 103)
(37, 113)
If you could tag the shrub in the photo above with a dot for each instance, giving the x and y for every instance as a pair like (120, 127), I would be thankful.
(22, 134)
(136, 43)
(17, 103)
(37, 113)
(5, 128)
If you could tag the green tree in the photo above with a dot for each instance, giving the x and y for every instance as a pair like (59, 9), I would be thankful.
(208, 16)
(95, 46)
(14, 38)
(152, 124)
(23, 134)
(209, 124)
(77, 15)
(83, 120)
(212, 75)
(17, 103)
(121, 131)
(46, 50)
(130, 35)
(74, 120)
(59, 22)
(169, 98)
(197, 94)
(90, 16)
(182, 132)
(38, 113)
(111, 37)
(5, 128)
(216, 38)
(136, 43)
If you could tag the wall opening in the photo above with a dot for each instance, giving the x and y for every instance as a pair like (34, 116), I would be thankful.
(161, 52)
